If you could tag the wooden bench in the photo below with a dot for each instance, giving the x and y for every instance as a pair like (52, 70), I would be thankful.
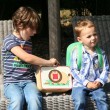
(62, 101)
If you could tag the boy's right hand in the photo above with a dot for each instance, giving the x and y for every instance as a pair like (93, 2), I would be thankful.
(54, 62)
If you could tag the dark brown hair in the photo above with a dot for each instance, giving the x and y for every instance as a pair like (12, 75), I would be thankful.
(25, 17)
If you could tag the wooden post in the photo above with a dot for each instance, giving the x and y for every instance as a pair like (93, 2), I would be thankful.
(54, 29)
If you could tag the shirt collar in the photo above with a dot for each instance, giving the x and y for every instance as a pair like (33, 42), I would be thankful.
(84, 51)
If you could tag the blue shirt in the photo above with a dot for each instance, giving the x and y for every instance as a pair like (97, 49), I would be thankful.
(15, 69)
(90, 70)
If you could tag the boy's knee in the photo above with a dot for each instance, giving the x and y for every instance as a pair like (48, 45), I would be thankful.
(18, 100)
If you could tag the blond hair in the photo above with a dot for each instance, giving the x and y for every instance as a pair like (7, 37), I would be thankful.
(85, 23)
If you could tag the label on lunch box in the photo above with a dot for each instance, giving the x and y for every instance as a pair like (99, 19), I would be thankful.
(56, 77)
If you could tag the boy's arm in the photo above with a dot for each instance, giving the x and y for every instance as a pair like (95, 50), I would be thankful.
(75, 72)
(32, 59)
(105, 71)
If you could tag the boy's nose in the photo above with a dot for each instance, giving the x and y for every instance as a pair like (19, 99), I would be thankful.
(93, 37)
(34, 32)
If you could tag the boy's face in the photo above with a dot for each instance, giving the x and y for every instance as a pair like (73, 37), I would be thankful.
(88, 37)
(27, 33)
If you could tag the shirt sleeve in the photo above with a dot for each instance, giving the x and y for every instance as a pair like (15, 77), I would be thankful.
(9, 43)
(74, 70)
(105, 71)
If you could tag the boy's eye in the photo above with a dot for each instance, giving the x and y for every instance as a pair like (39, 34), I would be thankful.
(89, 36)
(95, 34)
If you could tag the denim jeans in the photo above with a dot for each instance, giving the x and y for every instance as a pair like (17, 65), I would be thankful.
(19, 93)
(79, 95)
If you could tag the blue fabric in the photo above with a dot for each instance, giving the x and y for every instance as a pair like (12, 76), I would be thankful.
(90, 70)
(20, 92)
(79, 95)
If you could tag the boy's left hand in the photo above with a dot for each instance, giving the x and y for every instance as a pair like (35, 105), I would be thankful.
(98, 84)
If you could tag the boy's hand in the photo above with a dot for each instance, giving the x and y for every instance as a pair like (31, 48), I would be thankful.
(54, 62)
(98, 84)
(91, 85)
(94, 85)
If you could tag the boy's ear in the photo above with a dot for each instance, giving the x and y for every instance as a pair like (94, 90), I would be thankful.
(79, 39)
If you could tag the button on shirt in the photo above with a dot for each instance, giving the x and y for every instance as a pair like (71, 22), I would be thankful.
(90, 70)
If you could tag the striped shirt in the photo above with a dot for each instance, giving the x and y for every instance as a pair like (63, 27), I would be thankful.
(90, 70)
(15, 69)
